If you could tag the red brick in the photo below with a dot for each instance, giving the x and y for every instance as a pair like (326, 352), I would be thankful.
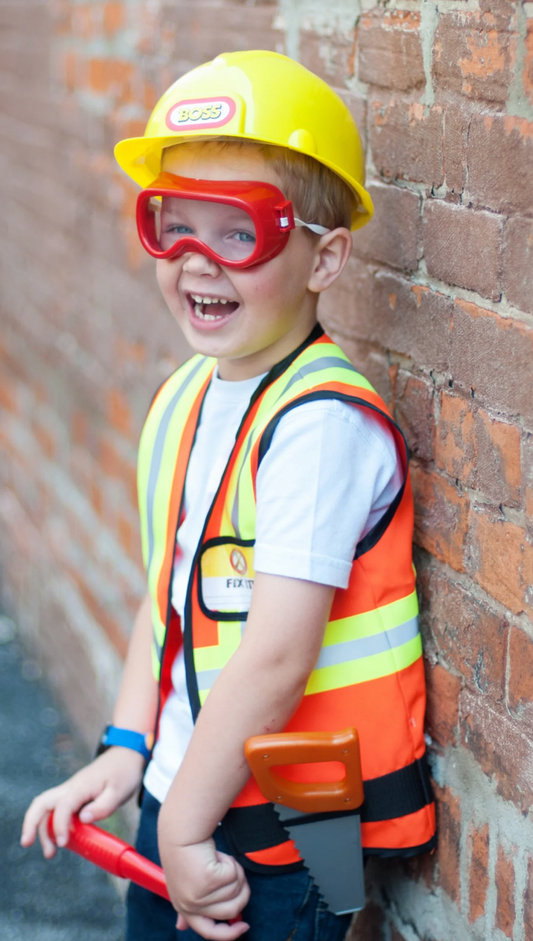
(479, 878)
(492, 356)
(455, 449)
(520, 673)
(114, 17)
(442, 713)
(367, 924)
(466, 634)
(517, 274)
(392, 236)
(118, 412)
(504, 184)
(500, 746)
(402, 317)
(334, 62)
(449, 853)
(441, 517)
(499, 475)
(111, 76)
(407, 142)
(462, 247)
(413, 409)
(499, 557)
(527, 74)
(505, 879)
(527, 470)
(456, 128)
(528, 902)
(471, 58)
(389, 50)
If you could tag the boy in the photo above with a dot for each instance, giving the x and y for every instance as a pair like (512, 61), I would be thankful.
(274, 496)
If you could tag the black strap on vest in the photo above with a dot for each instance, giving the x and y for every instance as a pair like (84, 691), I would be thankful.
(398, 794)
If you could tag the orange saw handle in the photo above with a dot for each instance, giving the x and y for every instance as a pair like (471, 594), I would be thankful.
(264, 752)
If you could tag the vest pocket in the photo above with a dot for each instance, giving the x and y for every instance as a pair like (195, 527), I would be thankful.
(226, 578)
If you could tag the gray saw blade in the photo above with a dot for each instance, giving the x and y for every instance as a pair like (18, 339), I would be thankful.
(332, 852)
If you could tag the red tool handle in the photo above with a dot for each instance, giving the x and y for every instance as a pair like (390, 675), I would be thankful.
(113, 854)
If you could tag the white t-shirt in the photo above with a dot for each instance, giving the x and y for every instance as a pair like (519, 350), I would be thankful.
(329, 475)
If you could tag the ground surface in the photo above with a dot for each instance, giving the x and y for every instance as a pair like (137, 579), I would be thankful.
(66, 898)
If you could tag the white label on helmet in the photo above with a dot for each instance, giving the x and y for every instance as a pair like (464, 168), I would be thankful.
(200, 113)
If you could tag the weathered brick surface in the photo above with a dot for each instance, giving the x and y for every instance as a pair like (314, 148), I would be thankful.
(389, 50)
(472, 57)
(479, 876)
(505, 911)
(407, 143)
(435, 308)
(517, 274)
(392, 236)
(462, 247)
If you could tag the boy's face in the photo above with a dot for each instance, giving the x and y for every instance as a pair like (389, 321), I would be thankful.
(252, 317)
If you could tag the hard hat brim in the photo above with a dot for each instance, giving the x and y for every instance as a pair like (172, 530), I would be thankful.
(140, 158)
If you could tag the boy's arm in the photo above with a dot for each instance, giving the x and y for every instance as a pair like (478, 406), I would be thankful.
(256, 693)
(114, 776)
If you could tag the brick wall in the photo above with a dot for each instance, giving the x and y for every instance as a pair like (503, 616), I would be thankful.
(436, 308)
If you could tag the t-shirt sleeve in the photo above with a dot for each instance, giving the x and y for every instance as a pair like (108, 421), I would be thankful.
(330, 473)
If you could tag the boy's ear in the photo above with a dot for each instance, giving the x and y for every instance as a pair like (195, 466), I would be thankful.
(332, 253)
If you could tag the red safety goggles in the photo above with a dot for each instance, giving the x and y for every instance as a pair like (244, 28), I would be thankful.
(236, 223)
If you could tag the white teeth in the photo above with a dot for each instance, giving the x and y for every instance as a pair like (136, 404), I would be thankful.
(204, 316)
(199, 299)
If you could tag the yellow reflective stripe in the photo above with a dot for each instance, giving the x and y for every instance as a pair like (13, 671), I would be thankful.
(216, 657)
(156, 498)
(148, 442)
(385, 618)
(368, 668)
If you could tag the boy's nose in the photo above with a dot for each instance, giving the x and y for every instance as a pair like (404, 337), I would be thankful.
(197, 263)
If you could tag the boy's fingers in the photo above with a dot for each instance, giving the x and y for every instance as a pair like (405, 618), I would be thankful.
(215, 931)
(48, 845)
(101, 807)
(70, 804)
(39, 807)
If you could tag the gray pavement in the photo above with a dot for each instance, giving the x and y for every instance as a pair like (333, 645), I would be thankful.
(65, 898)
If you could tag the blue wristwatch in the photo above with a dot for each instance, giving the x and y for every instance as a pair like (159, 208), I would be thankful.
(127, 739)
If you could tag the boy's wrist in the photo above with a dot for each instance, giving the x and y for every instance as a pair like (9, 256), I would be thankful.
(126, 738)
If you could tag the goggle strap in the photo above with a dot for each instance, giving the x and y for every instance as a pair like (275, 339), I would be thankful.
(317, 229)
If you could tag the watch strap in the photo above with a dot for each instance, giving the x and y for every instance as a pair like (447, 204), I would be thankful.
(126, 738)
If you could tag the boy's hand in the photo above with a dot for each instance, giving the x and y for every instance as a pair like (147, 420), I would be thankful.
(99, 789)
(206, 887)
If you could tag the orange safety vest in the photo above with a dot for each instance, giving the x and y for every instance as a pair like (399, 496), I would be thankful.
(370, 672)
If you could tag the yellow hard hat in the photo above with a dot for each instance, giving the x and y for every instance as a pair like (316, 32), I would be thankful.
(258, 96)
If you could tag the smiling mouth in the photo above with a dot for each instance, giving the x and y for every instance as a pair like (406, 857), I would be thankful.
(211, 308)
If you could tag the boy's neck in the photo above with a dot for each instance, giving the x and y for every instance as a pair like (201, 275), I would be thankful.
(262, 361)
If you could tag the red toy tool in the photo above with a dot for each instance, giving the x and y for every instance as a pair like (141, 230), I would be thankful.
(113, 854)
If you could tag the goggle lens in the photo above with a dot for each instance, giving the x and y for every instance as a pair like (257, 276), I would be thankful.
(227, 230)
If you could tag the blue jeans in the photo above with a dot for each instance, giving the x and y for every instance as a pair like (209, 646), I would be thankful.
(281, 908)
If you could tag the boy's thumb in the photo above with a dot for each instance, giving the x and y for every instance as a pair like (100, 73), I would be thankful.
(101, 807)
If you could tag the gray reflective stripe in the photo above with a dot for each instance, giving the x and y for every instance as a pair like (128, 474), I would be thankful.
(235, 507)
(157, 645)
(344, 653)
(206, 678)
(325, 362)
(367, 646)
(157, 456)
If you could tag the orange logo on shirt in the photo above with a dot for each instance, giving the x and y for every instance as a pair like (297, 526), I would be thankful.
(238, 562)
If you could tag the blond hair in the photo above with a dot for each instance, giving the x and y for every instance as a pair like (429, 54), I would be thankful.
(317, 193)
